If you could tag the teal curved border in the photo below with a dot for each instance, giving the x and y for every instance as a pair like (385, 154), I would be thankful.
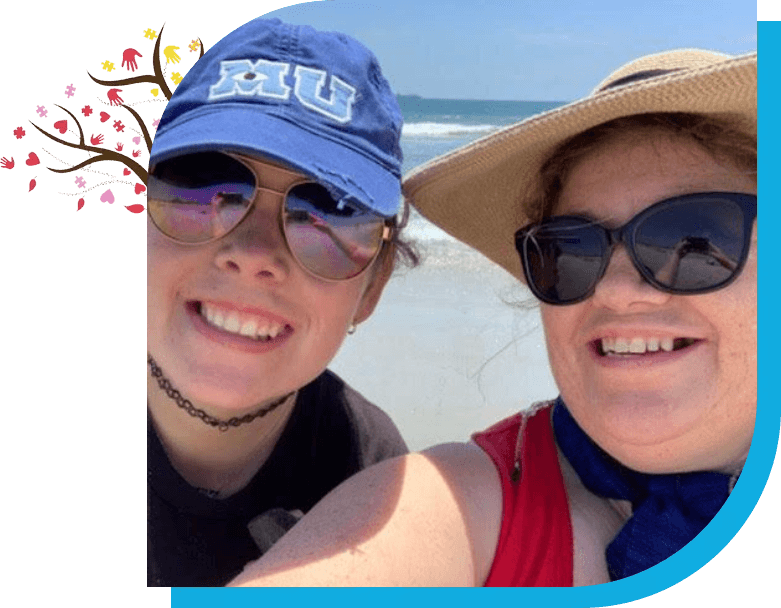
(697, 553)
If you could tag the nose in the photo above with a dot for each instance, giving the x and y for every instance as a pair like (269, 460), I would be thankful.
(623, 288)
(256, 248)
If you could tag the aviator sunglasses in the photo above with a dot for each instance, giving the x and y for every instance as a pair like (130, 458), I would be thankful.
(689, 244)
(199, 198)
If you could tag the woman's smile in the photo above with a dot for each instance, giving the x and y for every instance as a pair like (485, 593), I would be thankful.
(641, 351)
(255, 332)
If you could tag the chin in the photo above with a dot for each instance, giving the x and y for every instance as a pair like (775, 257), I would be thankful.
(692, 449)
(654, 433)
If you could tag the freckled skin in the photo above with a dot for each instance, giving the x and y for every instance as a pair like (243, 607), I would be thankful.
(696, 412)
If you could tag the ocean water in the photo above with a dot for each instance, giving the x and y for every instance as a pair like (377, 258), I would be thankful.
(447, 350)
(433, 127)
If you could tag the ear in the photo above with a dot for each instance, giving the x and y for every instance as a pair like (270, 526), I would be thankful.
(380, 274)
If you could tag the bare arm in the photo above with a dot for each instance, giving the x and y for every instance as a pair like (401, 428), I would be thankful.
(429, 519)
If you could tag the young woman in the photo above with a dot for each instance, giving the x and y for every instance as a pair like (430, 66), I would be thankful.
(273, 194)
(631, 215)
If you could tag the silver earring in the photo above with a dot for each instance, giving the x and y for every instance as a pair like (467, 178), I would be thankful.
(351, 329)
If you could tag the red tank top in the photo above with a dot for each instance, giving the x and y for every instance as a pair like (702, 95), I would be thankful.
(535, 541)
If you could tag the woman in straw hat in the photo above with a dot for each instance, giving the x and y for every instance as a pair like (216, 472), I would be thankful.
(272, 232)
(631, 216)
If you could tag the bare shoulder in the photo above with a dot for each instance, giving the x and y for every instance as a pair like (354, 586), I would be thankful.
(426, 519)
(477, 490)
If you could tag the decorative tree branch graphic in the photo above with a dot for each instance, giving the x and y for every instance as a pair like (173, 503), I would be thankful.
(121, 153)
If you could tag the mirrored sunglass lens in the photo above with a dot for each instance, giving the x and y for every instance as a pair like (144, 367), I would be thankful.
(334, 240)
(565, 258)
(692, 246)
(198, 197)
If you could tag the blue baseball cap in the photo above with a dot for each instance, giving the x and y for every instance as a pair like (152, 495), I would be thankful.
(314, 101)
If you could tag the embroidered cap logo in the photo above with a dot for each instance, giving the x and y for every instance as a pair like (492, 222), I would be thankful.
(263, 78)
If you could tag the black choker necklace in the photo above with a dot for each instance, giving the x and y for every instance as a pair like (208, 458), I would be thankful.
(187, 406)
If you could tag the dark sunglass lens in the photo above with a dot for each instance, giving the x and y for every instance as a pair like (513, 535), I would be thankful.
(199, 197)
(565, 258)
(692, 245)
(334, 240)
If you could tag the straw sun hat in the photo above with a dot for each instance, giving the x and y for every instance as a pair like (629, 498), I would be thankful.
(480, 192)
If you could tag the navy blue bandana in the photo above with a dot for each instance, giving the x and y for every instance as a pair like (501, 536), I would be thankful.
(668, 511)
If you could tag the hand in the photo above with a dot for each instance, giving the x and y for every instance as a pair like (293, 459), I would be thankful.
(170, 54)
(120, 146)
(6, 164)
(136, 153)
(113, 97)
(129, 56)
(96, 139)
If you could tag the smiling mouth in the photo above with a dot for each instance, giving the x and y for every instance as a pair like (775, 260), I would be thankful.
(628, 347)
(243, 324)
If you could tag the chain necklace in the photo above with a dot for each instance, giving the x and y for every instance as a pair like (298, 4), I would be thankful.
(187, 406)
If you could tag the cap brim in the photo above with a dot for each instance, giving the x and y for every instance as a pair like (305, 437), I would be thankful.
(237, 128)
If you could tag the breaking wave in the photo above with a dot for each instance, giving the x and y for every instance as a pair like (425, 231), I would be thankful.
(439, 129)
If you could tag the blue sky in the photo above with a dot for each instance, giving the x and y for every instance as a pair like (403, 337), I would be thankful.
(554, 50)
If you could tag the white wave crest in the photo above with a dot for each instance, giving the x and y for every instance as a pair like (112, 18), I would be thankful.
(438, 129)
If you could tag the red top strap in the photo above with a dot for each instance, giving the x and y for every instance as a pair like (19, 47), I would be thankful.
(535, 542)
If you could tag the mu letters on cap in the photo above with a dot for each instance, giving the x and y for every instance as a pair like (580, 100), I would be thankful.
(266, 79)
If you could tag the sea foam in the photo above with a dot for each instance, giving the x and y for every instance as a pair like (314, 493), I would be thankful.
(439, 129)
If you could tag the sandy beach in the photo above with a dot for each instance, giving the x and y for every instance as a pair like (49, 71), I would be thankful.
(448, 350)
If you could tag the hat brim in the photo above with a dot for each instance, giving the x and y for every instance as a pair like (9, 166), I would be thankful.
(238, 128)
(480, 193)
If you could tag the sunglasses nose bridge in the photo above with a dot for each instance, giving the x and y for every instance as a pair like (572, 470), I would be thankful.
(622, 283)
(268, 198)
(619, 237)
(260, 229)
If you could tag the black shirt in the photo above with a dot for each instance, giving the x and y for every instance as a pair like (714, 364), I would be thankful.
(194, 539)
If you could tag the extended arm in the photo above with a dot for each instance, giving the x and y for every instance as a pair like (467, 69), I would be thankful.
(429, 519)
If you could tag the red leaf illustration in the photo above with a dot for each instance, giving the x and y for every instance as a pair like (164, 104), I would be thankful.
(32, 185)
(135, 208)
(81, 204)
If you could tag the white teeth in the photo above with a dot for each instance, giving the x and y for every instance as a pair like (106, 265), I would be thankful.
(269, 331)
(260, 329)
(232, 323)
(249, 329)
(639, 346)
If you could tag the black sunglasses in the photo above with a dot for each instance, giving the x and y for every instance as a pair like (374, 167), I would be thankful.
(199, 198)
(684, 245)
